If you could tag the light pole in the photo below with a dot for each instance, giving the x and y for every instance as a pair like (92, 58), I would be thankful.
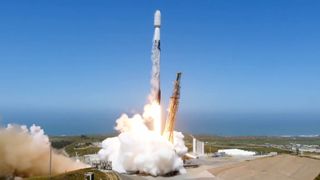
(50, 160)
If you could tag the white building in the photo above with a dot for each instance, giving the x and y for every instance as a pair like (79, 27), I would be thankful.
(197, 147)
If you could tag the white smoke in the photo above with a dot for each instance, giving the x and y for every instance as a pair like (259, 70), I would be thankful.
(25, 152)
(139, 149)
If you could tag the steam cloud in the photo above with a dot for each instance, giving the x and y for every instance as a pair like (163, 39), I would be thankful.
(139, 149)
(25, 152)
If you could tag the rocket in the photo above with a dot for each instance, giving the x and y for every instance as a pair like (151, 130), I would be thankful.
(156, 39)
(157, 24)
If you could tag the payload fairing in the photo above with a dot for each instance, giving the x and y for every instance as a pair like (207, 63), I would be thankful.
(157, 24)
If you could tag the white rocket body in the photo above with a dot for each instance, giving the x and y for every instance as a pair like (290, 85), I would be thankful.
(157, 24)
(156, 54)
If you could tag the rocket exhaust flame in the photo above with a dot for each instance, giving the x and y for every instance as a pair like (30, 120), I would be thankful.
(152, 112)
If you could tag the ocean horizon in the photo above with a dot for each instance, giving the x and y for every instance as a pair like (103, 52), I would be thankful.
(221, 124)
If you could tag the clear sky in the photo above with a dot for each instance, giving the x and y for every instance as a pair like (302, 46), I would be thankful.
(94, 56)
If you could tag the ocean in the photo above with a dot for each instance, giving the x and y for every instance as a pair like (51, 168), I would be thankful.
(224, 124)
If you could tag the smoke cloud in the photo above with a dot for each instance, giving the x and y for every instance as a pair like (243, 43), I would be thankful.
(138, 149)
(26, 152)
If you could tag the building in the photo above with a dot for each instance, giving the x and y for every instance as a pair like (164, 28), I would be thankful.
(197, 147)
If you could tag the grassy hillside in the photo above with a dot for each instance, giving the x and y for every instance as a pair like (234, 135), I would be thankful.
(80, 145)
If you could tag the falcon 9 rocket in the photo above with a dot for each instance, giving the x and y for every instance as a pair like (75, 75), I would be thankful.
(156, 56)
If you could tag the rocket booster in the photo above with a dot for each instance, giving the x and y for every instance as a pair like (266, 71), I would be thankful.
(156, 39)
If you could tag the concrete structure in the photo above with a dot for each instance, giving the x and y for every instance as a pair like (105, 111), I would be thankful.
(197, 147)
(94, 161)
(89, 176)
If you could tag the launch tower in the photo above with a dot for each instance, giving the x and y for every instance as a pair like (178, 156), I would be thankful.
(173, 108)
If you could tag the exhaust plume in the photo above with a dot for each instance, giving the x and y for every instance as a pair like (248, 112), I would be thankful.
(138, 149)
(25, 152)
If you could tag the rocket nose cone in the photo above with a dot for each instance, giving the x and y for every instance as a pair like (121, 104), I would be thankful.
(157, 18)
(157, 13)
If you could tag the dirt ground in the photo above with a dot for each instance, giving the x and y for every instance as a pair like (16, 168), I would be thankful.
(280, 167)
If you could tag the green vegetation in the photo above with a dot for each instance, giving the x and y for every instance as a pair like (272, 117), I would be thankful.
(79, 174)
(317, 178)
(62, 141)
(83, 144)
(60, 144)
(259, 144)
(211, 148)
(259, 140)
(72, 151)
(77, 145)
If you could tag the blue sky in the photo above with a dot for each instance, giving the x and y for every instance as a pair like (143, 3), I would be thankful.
(94, 56)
